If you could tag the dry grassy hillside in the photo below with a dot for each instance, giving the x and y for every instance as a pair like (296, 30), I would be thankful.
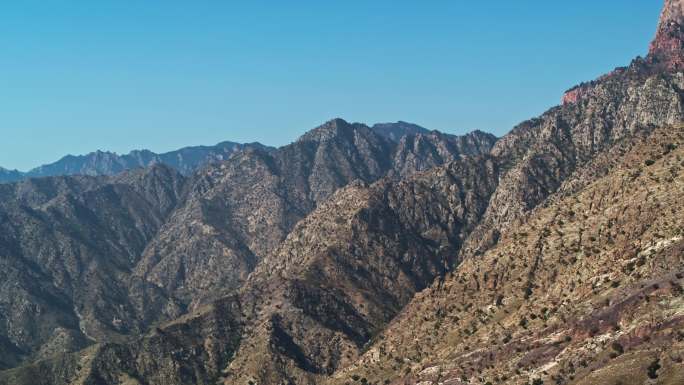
(586, 290)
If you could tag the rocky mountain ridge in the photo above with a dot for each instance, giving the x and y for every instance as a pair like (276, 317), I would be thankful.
(395, 131)
(186, 160)
(549, 256)
(256, 198)
(9, 175)
(585, 290)
(151, 244)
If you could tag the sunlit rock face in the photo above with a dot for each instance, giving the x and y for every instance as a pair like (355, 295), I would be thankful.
(667, 49)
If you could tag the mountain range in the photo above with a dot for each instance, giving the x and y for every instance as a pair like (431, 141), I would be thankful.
(369, 255)
(185, 160)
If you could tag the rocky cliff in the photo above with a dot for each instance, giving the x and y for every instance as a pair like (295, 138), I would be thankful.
(550, 255)
(585, 290)
(102, 259)
(667, 49)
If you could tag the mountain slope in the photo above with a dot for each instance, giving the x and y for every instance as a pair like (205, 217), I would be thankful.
(243, 208)
(97, 259)
(539, 154)
(395, 131)
(9, 175)
(67, 248)
(340, 276)
(185, 160)
(586, 290)
(348, 268)
(554, 257)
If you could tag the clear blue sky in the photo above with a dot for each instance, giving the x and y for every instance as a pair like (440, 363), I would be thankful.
(77, 76)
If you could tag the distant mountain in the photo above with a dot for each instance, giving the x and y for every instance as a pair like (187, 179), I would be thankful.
(552, 255)
(253, 200)
(188, 159)
(10, 175)
(103, 258)
(395, 131)
(600, 265)
(185, 160)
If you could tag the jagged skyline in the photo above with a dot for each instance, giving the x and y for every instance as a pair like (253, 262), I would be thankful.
(115, 78)
(387, 255)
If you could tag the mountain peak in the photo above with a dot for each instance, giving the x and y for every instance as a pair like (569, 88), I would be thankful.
(667, 49)
(328, 130)
(672, 11)
(394, 131)
(665, 53)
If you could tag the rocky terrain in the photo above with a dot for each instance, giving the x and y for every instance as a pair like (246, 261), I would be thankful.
(371, 255)
(395, 131)
(189, 159)
(240, 210)
(586, 289)
(10, 175)
(68, 245)
(103, 259)
(186, 160)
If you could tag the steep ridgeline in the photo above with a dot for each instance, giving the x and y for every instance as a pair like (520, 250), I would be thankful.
(67, 247)
(580, 286)
(293, 274)
(415, 153)
(312, 310)
(101, 259)
(586, 290)
(395, 131)
(308, 321)
(347, 269)
(666, 50)
(10, 175)
(241, 210)
(189, 159)
(540, 153)
(310, 307)
(186, 160)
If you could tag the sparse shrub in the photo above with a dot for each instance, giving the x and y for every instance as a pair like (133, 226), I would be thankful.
(523, 322)
(669, 148)
(652, 370)
(528, 291)
(649, 162)
(617, 349)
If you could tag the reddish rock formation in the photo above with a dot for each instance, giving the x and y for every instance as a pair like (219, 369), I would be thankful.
(575, 94)
(667, 49)
(666, 52)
